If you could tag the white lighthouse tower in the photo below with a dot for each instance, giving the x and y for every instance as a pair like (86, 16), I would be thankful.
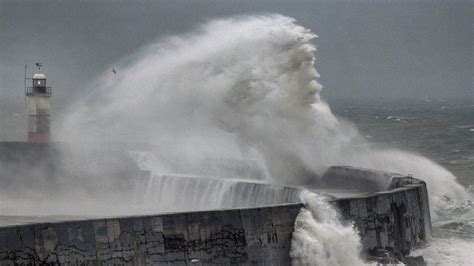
(38, 108)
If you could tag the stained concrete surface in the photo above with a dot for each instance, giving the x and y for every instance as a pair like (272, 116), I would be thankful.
(397, 220)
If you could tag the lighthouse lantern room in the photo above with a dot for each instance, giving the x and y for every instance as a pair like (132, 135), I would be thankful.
(38, 108)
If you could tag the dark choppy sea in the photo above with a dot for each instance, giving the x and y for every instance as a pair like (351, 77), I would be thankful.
(442, 130)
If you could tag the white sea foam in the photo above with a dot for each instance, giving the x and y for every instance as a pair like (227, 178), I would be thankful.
(453, 240)
(463, 126)
(451, 251)
(320, 238)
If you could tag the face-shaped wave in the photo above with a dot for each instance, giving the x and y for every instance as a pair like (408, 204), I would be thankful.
(243, 87)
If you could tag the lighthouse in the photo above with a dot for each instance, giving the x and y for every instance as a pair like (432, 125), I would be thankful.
(38, 108)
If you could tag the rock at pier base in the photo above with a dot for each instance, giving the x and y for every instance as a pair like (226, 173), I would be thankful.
(414, 261)
(388, 257)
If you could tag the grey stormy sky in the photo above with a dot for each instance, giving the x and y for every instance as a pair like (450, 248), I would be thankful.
(366, 48)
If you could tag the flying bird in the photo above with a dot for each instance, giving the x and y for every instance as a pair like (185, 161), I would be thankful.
(113, 70)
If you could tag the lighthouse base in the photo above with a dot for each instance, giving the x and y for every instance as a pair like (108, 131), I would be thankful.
(34, 137)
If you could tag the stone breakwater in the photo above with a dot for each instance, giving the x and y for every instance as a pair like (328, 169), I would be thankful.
(391, 222)
(395, 220)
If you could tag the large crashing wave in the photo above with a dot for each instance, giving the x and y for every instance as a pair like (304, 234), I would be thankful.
(320, 238)
(243, 87)
(233, 88)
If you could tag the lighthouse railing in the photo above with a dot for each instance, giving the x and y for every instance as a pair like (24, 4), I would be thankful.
(44, 91)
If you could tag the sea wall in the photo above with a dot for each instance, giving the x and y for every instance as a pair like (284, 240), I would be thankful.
(395, 220)
(245, 236)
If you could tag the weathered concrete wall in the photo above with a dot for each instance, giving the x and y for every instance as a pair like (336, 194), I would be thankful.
(245, 236)
(397, 220)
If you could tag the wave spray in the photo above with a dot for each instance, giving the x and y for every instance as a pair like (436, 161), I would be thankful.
(243, 87)
(320, 238)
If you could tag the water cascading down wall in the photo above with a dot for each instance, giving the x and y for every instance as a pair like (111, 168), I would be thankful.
(396, 219)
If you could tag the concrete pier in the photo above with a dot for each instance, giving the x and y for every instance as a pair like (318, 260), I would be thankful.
(391, 213)
(395, 220)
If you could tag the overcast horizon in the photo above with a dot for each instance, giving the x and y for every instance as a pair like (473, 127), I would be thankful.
(366, 49)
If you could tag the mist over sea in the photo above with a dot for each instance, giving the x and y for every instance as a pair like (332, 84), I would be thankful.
(442, 130)
(439, 129)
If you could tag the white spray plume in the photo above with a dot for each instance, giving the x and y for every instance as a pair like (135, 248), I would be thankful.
(238, 87)
(320, 238)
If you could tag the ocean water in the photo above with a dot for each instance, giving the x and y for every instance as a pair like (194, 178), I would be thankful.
(441, 130)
